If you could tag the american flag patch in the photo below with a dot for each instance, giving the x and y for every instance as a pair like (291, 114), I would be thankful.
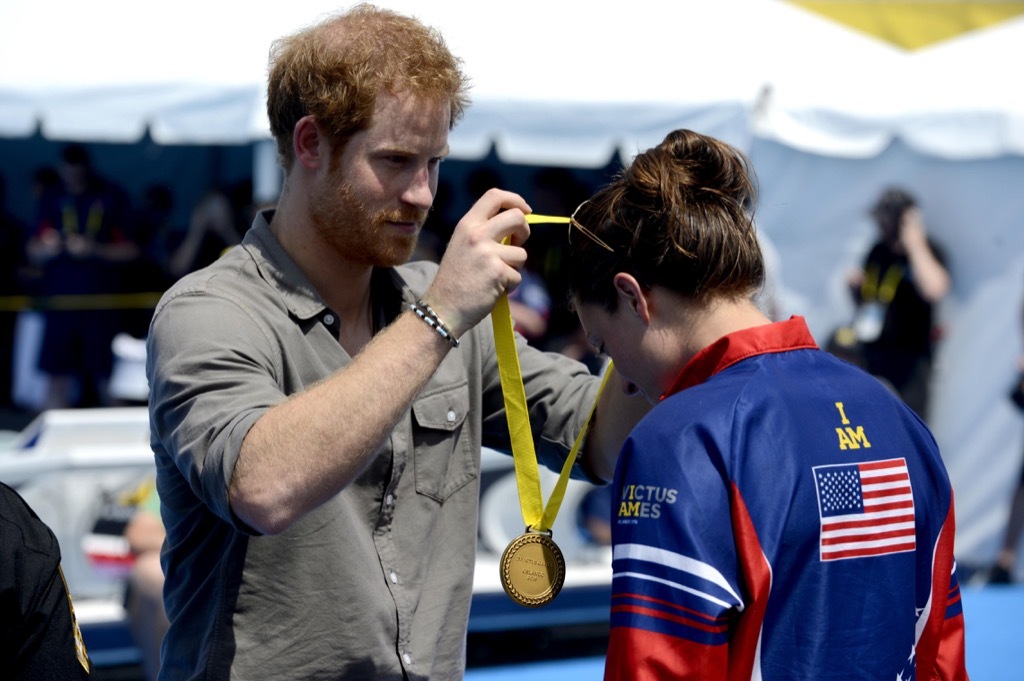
(865, 509)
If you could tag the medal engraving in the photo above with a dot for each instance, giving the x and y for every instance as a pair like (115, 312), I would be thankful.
(532, 569)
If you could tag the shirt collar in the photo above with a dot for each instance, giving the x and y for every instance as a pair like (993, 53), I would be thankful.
(279, 270)
(300, 296)
(791, 334)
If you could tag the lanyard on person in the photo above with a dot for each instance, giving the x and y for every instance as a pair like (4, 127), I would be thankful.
(532, 568)
(70, 223)
(885, 291)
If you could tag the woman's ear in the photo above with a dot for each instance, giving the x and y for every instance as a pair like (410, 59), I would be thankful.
(306, 142)
(633, 296)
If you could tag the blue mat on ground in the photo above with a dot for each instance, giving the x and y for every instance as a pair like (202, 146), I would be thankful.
(995, 644)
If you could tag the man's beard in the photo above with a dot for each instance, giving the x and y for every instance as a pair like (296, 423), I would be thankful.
(358, 234)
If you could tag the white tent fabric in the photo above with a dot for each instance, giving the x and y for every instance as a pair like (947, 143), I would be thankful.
(828, 115)
(194, 72)
(564, 82)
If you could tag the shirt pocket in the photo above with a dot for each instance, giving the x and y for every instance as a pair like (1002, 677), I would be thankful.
(443, 455)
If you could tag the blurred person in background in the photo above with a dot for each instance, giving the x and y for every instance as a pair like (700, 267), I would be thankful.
(211, 232)
(147, 619)
(80, 242)
(1002, 570)
(530, 306)
(530, 302)
(12, 266)
(556, 190)
(895, 291)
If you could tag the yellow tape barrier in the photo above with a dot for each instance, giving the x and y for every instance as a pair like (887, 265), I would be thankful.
(73, 301)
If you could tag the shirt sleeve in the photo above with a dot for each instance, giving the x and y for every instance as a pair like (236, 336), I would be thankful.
(941, 649)
(676, 593)
(198, 340)
(950, 662)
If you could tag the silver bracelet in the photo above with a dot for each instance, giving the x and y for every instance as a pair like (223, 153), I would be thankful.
(427, 314)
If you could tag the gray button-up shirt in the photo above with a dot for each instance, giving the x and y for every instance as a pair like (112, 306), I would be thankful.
(375, 583)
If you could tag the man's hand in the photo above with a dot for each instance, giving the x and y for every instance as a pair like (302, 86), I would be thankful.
(930, 276)
(912, 233)
(477, 267)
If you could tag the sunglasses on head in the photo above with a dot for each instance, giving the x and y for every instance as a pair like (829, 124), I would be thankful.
(535, 219)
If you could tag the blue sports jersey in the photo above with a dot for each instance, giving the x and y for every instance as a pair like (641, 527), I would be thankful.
(782, 516)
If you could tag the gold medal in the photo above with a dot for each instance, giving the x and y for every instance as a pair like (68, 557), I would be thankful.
(532, 569)
(532, 566)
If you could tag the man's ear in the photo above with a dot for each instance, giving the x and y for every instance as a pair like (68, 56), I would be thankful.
(632, 295)
(308, 143)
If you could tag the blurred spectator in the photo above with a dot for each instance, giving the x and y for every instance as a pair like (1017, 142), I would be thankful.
(212, 230)
(12, 261)
(1002, 571)
(530, 305)
(154, 228)
(39, 636)
(46, 186)
(29, 384)
(557, 191)
(80, 237)
(147, 273)
(46, 183)
(903, 276)
(144, 595)
(594, 515)
(530, 302)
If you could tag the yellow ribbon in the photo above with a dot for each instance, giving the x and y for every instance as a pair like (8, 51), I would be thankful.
(535, 219)
(536, 515)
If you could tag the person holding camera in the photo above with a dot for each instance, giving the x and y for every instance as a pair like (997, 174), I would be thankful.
(902, 278)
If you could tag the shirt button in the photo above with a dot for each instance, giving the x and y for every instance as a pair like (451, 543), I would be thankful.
(389, 499)
(451, 416)
(328, 319)
(394, 577)
(407, 658)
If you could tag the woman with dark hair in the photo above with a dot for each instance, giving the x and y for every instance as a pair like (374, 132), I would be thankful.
(779, 514)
